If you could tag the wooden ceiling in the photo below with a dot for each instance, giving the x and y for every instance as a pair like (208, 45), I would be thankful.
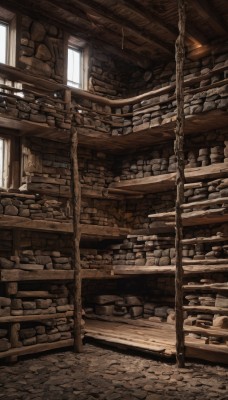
(140, 31)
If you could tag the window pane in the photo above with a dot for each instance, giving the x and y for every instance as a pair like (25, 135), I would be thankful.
(3, 42)
(74, 68)
(1, 162)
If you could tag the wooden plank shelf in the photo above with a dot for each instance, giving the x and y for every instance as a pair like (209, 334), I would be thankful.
(211, 239)
(223, 333)
(206, 217)
(106, 232)
(164, 182)
(147, 134)
(36, 348)
(152, 337)
(206, 309)
(209, 352)
(38, 317)
(17, 275)
(212, 287)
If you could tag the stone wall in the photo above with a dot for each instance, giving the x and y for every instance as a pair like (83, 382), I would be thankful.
(42, 49)
(107, 74)
(162, 75)
(201, 149)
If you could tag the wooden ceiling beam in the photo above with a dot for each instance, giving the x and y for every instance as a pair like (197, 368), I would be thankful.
(90, 36)
(152, 16)
(145, 35)
(209, 14)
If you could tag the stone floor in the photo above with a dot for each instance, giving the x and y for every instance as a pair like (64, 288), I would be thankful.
(102, 374)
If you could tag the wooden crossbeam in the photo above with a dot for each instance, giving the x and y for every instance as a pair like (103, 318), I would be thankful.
(205, 9)
(121, 22)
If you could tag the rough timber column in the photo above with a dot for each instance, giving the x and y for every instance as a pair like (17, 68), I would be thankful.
(76, 201)
(178, 147)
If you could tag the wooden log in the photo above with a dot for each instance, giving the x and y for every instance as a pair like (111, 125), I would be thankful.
(212, 287)
(40, 294)
(16, 275)
(180, 180)
(37, 317)
(211, 239)
(209, 352)
(222, 200)
(207, 261)
(37, 348)
(76, 199)
(170, 215)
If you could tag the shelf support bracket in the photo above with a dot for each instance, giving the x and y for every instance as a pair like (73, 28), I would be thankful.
(180, 178)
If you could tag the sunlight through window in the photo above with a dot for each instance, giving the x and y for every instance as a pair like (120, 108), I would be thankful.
(74, 73)
(3, 46)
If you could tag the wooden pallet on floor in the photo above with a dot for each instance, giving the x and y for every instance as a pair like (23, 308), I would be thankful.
(153, 337)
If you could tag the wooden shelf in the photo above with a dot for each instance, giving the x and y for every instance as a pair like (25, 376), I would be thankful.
(106, 232)
(15, 222)
(211, 239)
(38, 317)
(207, 331)
(36, 348)
(147, 134)
(166, 182)
(212, 216)
(217, 353)
(206, 309)
(116, 271)
(169, 269)
(17, 275)
(212, 287)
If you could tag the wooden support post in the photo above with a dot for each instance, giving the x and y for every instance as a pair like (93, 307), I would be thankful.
(179, 152)
(76, 201)
(11, 290)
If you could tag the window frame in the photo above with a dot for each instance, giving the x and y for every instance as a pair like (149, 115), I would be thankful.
(78, 85)
(12, 21)
(11, 162)
(7, 41)
(79, 45)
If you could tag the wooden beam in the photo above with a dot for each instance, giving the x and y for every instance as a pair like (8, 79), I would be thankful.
(87, 34)
(153, 17)
(180, 179)
(152, 184)
(76, 200)
(206, 10)
(39, 317)
(36, 348)
(99, 10)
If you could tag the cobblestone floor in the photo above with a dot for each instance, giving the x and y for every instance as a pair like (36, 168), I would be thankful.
(102, 374)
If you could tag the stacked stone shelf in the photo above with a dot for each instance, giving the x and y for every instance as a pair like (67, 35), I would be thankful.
(165, 182)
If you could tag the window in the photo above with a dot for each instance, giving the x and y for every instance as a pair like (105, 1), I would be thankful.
(75, 67)
(77, 63)
(10, 161)
(4, 162)
(8, 47)
(4, 42)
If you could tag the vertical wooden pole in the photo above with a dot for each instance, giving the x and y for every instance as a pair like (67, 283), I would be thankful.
(179, 152)
(76, 201)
